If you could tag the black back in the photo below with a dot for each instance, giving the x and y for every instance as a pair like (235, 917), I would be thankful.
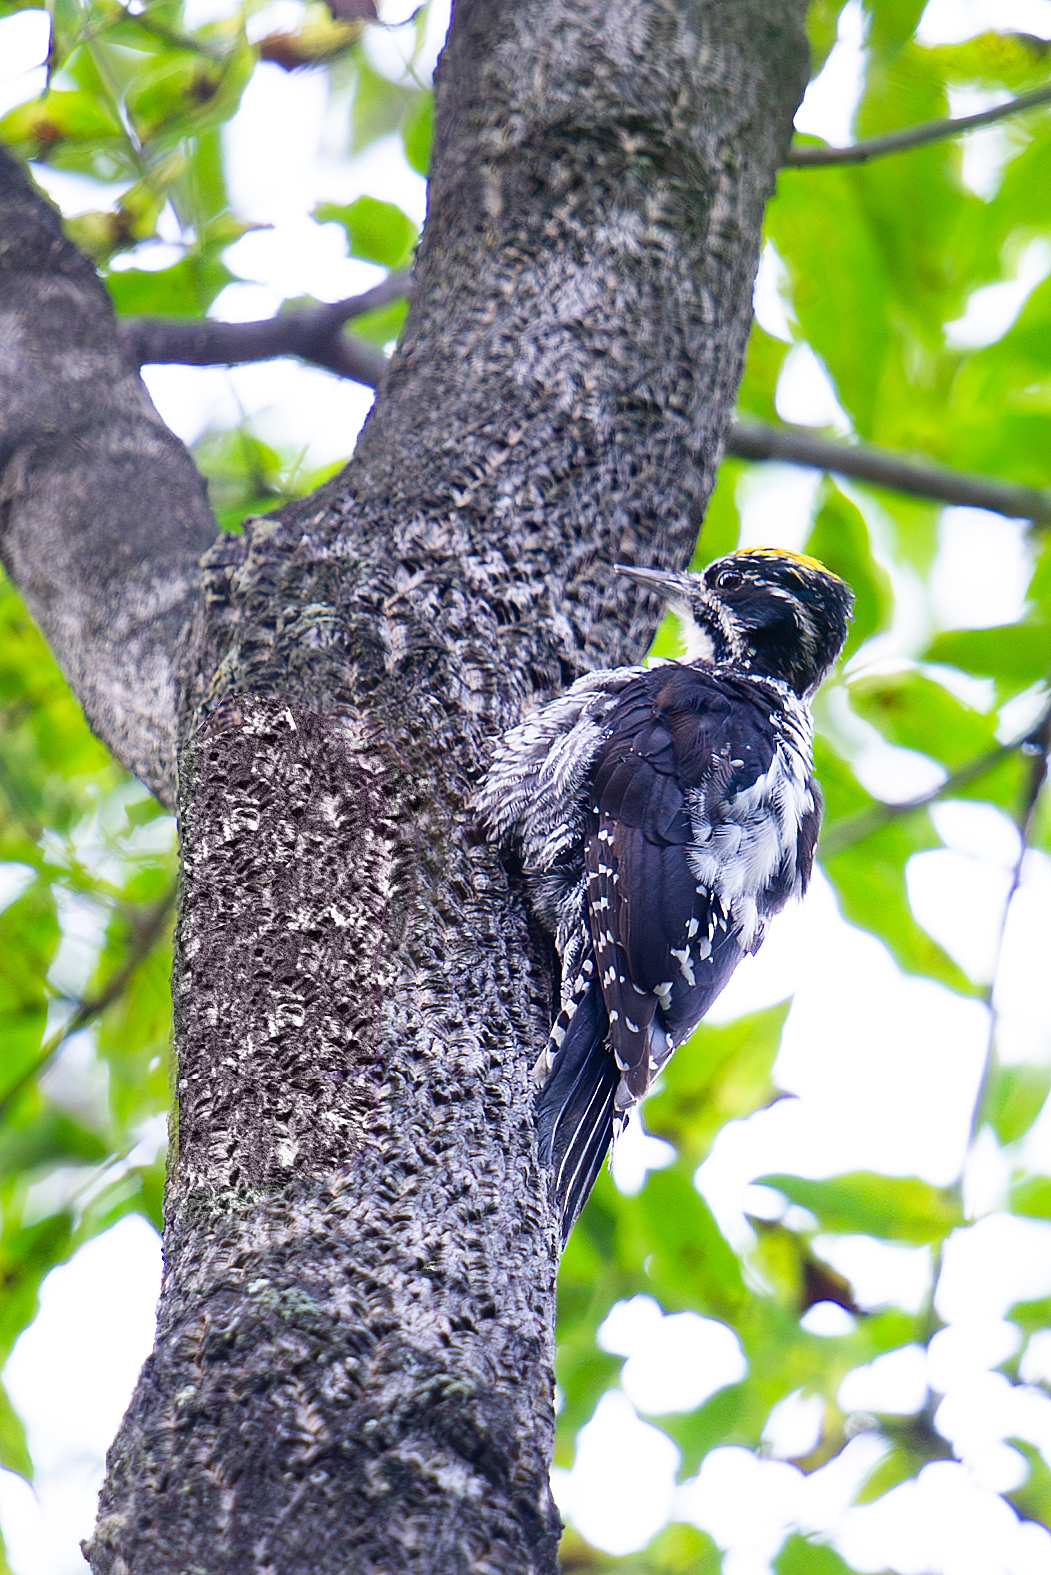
(663, 947)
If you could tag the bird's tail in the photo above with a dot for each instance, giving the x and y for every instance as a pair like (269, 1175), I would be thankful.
(575, 1106)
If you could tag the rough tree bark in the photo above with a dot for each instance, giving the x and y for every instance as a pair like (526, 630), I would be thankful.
(353, 1360)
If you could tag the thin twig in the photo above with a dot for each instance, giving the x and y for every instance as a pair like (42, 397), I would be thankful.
(313, 333)
(1036, 744)
(856, 827)
(144, 937)
(750, 439)
(915, 136)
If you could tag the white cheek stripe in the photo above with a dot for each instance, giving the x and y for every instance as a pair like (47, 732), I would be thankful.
(698, 645)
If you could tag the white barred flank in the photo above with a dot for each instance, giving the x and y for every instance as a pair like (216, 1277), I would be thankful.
(532, 793)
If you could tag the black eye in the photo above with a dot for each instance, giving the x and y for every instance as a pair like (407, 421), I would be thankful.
(728, 580)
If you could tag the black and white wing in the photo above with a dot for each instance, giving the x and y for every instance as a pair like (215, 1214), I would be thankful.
(534, 797)
(700, 822)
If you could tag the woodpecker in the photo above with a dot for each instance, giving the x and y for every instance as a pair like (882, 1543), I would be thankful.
(660, 817)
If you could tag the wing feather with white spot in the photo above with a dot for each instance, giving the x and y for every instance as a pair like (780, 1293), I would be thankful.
(695, 819)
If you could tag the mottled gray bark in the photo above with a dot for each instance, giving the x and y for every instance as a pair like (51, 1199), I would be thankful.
(353, 1364)
(103, 516)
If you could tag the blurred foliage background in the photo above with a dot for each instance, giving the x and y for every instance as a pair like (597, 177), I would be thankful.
(870, 264)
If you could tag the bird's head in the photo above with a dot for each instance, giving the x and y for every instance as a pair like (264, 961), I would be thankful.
(774, 613)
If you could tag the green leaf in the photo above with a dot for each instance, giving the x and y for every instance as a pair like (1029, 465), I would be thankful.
(1033, 1315)
(1015, 1099)
(382, 325)
(913, 711)
(735, 1414)
(893, 1208)
(376, 231)
(1039, 590)
(42, 125)
(137, 1191)
(677, 1550)
(27, 1254)
(247, 476)
(896, 1466)
(1033, 1499)
(417, 133)
(843, 794)
(583, 1373)
(688, 1260)
(721, 1073)
(837, 281)
(991, 60)
(201, 195)
(912, 524)
(721, 530)
(802, 1556)
(893, 24)
(186, 289)
(134, 219)
(48, 756)
(379, 106)
(796, 1277)
(144, 811)
(822, 22)
(28, 938)
(683, 1550)
(764, 359)
(1031, 1196)
(870, 884)
(184, 93)
(1012, 375)
(14, 1449)
(1016, 655)
(49, 1138)
(840, 539)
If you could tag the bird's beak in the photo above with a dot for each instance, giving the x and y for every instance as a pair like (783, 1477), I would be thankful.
(668, 583)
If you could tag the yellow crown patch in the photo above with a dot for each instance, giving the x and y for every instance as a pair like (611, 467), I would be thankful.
(780, 553)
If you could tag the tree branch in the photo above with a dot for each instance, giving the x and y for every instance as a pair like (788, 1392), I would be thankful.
(914, 136)
(884, 468)
(144, 936)
(315, 335)
(1035, 745)
(312, 333)
(103, 516)
(853, 829)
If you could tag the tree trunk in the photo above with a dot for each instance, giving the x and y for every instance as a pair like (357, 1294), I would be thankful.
(353, 1368)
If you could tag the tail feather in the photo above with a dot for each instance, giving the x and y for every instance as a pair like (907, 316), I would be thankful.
(575, 1107)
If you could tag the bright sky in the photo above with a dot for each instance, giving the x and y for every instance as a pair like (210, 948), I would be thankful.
(883, 1069)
